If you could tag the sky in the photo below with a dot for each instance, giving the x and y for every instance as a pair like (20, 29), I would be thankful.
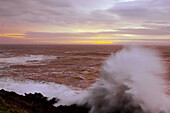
(85, 22)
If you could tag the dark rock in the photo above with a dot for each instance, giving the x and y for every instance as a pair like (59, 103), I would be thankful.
(34, 103)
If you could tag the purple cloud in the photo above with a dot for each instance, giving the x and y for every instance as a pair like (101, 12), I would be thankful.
(97, 17)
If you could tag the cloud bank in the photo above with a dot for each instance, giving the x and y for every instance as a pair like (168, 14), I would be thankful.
(81, 20)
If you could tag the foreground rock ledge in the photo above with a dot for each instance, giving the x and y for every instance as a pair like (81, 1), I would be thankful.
(11, 102)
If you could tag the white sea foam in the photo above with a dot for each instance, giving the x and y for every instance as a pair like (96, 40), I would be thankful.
(66, 95)
(26, 59)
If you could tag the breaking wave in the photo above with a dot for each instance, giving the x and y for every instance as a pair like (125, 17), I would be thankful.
(131, 82)
(66, 95)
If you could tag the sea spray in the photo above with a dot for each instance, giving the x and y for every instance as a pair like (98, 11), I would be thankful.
(130, 82)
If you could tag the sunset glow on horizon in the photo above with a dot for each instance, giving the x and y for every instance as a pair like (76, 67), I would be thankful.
(85, 22)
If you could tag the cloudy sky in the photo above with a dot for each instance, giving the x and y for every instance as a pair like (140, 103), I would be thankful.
(85, 22)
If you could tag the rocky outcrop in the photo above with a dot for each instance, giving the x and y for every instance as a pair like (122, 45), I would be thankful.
(11, 102)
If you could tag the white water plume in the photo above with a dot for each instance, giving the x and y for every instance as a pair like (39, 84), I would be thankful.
(131, 82)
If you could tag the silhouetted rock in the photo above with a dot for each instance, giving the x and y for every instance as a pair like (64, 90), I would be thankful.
(34, 103)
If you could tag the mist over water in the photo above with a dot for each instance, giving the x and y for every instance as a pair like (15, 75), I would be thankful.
(131, 81)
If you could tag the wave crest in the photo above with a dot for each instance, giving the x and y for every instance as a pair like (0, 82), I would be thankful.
(130, 83)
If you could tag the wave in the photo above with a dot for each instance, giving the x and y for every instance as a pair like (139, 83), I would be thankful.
(131, 82)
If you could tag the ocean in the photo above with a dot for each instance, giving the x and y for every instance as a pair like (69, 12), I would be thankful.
(79, 74)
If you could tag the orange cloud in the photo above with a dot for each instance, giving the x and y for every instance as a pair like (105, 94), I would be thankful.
(13, 35)
(103, 42)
